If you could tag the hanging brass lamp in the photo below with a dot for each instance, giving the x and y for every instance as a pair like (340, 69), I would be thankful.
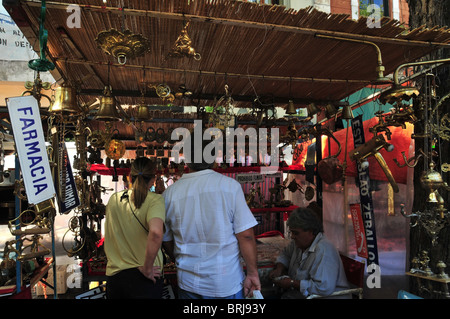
(432, 180)
(65, 101)
(107, 110)
(122, 45)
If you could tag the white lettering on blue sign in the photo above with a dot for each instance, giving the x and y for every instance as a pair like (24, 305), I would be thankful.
(30, 133)
(30, 145)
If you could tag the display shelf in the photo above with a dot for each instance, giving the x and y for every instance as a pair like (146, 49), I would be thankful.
(102, 169)
(297, 169)
(274, 209)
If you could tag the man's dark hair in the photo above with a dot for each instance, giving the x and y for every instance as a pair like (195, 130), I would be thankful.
(306, 219)
(192, 164)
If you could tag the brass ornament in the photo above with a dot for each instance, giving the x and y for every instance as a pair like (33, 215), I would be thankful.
(443, 127)
(222, 115)
(163, 91)
(432, 180)
(399, 93)
(35, 88)
(139, 135)
(432, 219)
(182, 46)
(114, 149)
(122, 45)
(445, 167)
(435, 216)
(96, 138)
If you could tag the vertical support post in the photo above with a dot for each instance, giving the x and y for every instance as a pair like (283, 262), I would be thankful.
(17, 208)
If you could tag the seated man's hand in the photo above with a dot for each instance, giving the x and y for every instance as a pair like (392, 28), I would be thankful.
(283, 282)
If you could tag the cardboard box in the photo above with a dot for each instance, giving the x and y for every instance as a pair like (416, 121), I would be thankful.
(61, 282)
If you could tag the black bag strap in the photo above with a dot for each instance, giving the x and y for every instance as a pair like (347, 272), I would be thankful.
(126, 196)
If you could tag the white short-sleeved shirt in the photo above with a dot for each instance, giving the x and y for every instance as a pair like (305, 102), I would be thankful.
(204, 211)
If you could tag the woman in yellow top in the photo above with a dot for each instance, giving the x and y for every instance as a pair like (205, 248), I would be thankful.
(134, 227)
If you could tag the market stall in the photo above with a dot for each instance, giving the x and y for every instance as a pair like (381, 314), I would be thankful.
(129, 77)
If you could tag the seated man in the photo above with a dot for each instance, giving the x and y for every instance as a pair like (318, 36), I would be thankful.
(310, 264)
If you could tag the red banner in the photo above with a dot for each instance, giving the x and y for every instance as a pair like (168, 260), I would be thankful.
(401, 139)
(358, 227)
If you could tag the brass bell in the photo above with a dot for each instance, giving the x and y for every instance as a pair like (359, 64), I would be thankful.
(290, 109)
(65, 101)
(347, 113)
(312, 109)
(107, 110)
(143, 112)
(330, 110)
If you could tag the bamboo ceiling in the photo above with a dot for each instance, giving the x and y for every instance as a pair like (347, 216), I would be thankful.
(263, 51)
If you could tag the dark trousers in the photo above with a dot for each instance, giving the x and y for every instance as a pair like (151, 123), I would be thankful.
(132, 284)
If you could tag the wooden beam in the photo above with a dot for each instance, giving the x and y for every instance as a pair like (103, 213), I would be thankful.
(210, 73)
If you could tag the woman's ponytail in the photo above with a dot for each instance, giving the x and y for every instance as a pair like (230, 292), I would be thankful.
(142, 172)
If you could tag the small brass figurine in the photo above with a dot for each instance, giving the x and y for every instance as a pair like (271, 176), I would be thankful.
(182, 46)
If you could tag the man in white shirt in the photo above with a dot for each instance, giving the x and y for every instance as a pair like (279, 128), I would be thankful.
(208, 227)
(310, 264)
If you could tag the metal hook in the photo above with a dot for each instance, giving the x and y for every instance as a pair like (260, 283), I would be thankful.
(402, 211)
(408, 161)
